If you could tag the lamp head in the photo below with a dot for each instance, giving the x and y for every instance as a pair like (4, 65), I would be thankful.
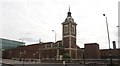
(103, 14)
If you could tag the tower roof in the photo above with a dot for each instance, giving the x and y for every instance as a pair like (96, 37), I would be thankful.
(69, 18)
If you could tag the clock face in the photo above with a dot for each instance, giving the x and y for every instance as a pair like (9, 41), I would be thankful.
(65, 29)
(73, 29)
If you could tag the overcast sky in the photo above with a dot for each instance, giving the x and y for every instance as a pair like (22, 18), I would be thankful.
(30, 20)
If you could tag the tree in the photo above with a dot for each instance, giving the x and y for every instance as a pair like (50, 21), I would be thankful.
(66, 56)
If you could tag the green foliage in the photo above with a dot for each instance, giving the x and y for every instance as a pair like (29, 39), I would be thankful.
(66, 56)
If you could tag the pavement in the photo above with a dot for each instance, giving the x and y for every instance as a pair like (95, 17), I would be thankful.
(43, 64)
(8, 62)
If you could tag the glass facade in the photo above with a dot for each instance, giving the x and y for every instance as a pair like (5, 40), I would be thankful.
(9, 44)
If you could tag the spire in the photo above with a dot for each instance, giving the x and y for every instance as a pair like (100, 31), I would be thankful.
(69, 13)
(69, 8)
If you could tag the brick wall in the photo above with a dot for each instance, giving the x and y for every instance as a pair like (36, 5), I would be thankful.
(92, 51)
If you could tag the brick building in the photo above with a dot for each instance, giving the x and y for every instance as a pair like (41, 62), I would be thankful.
(69, 36)
(50, 50)
(43, 51)
(35, 51)
(91, 51)
(58, 50)
(115, 53)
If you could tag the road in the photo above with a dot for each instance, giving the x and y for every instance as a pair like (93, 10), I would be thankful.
(42, 65)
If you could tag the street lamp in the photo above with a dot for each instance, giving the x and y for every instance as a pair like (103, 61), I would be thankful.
(55, 34)
(57, 54)
(107, 30)
(108, 40)
(117, 26)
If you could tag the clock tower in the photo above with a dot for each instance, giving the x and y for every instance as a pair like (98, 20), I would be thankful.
(69, 35)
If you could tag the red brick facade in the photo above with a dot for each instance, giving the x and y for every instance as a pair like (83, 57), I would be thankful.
(50, 50)
(56, 51)
(69, 36)
(115, 53)
(92, 51)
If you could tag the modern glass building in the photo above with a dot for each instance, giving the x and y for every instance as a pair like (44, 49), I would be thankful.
(9, 44)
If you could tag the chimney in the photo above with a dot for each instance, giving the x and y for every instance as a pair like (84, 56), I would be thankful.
(114, 45)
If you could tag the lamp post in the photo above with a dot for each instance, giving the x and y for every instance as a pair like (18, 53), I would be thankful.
(108, 40)
(117, 26)
(57, 54)
(55, 34)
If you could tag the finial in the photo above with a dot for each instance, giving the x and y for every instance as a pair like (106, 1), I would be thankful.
(69, 13)
(69, 8)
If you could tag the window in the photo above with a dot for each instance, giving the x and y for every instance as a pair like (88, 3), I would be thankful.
(65, 29)
(73, 29)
